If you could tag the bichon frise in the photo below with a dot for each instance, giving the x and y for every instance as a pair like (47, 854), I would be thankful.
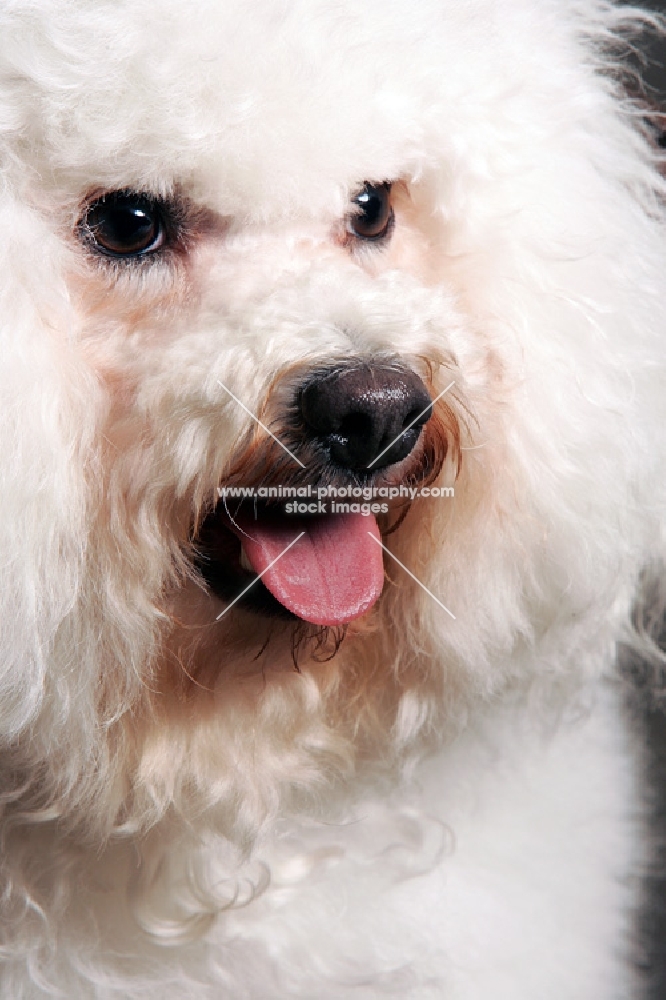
(333, 422)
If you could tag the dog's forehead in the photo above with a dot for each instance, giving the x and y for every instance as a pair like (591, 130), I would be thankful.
(255, 107)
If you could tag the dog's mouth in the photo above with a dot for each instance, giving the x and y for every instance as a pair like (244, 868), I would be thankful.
(326, 569)
(315, 559)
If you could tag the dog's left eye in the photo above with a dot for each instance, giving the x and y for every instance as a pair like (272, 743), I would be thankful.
(372, 216)
(124, 224)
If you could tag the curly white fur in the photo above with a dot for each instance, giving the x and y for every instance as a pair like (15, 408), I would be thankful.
(444, 809)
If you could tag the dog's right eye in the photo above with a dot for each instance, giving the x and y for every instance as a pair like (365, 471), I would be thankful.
(372, 217)
(124, 224)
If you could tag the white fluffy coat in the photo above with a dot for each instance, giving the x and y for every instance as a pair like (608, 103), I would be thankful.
(445, 809)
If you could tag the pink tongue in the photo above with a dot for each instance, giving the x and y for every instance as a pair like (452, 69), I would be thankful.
(330, 576)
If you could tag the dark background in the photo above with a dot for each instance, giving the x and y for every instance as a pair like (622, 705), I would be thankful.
(655, 49)
(653, 930)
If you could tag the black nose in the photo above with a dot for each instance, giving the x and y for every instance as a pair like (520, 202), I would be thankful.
(365, 416)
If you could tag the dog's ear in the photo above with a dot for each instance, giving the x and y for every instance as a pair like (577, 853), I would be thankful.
(47, 420)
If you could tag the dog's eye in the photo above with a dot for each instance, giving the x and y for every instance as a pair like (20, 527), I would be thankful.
(124, 224)
(372, 216)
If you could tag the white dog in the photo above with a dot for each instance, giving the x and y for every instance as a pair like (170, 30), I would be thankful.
(364, 299)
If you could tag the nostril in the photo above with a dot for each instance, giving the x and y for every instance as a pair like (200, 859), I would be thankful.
(318, 408)
(413, 416)
(356, 425)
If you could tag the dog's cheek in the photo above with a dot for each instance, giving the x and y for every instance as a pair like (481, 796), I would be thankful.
(71, 578)
(52, 411)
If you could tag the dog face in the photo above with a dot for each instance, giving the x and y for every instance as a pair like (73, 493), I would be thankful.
(251, 249)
